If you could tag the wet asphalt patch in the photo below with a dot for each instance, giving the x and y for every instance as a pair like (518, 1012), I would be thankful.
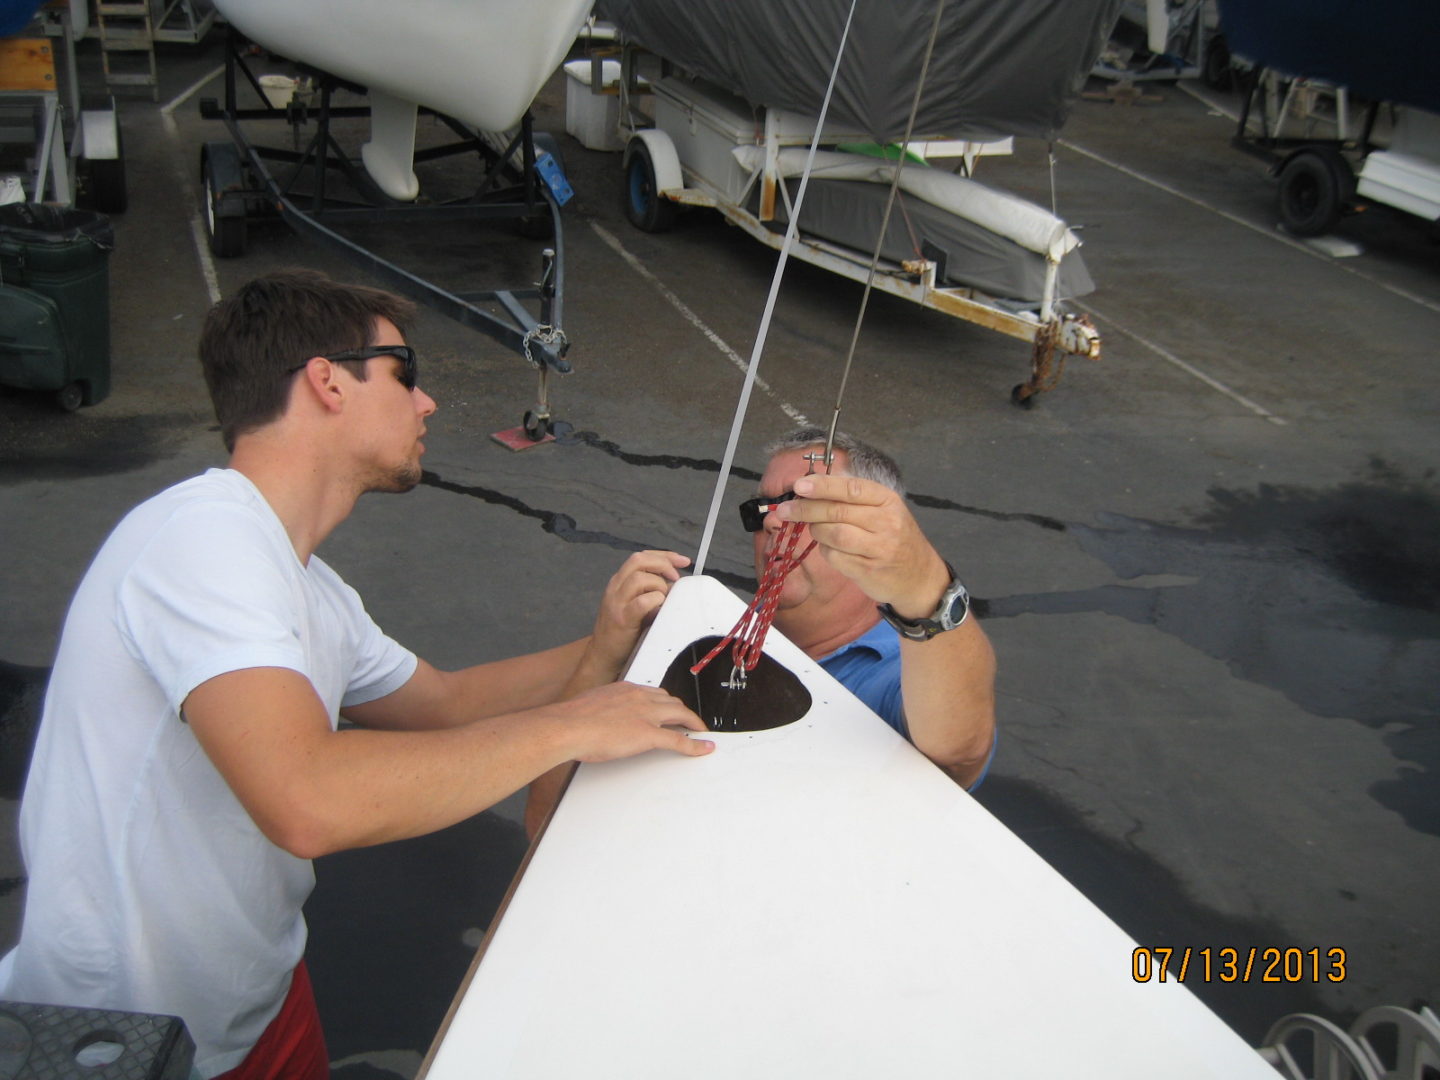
(39, 442)
(1327, 596)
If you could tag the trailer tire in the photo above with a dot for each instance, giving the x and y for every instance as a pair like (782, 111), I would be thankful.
(70, 397)
(1217, 71)
(644, 207)
(1315, 185)
(226, 234)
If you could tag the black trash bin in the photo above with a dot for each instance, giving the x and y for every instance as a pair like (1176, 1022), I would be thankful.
(55, 301)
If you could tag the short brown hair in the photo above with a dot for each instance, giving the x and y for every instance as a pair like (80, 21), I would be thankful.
(272, 323)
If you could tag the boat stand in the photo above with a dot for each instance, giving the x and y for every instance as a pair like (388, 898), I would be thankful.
(319, 188)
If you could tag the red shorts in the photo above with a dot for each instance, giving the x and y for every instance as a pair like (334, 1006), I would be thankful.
(292, 1047)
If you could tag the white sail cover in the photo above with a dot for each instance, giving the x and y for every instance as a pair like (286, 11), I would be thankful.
(1032, 227)
(1000, 68)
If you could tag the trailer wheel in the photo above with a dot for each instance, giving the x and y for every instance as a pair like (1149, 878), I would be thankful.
(70, 397)
(644, 207)
(1314, 187)
(1217, 71)
(226, 234)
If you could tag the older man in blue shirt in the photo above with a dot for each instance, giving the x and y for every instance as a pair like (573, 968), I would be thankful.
(875, 603)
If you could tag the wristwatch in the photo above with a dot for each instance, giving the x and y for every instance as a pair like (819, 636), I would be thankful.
(954, 609)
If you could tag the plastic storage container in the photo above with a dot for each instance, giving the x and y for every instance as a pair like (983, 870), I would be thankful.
(55, 301)
(593, 118)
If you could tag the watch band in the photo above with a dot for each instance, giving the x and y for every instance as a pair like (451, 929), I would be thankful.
(954, 598)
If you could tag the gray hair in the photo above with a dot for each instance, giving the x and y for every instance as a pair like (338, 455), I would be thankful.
(865, 461)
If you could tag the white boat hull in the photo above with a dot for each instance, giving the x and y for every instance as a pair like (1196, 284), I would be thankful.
(480, 61)
(815, 900)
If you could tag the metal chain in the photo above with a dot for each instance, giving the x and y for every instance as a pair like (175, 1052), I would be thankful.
(546, 335)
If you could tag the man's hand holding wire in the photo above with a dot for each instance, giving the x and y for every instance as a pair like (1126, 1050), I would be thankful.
(866, 532)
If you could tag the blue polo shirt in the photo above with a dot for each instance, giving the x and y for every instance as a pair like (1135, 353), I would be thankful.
(869, 667)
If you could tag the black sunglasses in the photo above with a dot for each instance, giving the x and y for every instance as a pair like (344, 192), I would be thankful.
(409, 375)
(753, 511)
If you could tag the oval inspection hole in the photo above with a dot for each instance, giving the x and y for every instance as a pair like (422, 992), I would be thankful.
(772, 698)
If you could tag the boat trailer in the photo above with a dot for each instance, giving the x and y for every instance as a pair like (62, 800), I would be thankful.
(318, 189)
(674, 159)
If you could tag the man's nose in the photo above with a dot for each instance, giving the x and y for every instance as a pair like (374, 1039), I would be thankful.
(424, 403)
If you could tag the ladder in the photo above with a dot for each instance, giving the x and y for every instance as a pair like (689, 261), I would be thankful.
(126, 35)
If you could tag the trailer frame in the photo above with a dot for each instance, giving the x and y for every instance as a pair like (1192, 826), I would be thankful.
(523, 182)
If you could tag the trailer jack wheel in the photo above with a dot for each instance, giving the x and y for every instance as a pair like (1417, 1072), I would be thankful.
(537, 425)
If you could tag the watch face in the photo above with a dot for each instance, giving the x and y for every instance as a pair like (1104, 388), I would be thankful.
(959, 608)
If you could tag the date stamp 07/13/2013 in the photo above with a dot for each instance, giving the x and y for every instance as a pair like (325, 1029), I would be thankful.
(1230, 965)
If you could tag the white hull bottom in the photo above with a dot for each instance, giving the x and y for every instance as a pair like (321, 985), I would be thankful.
(480, 61)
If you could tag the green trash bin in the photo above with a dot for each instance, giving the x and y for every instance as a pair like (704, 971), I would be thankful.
(55, 301)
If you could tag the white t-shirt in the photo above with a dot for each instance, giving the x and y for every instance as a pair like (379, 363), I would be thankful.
(150, 887)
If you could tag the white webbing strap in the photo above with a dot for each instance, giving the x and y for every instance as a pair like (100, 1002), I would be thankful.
(738, 422)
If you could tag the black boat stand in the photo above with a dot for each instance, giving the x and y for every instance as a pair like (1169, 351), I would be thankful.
(240, 186)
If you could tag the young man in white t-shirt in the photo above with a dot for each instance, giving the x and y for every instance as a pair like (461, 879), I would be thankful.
(189, 766)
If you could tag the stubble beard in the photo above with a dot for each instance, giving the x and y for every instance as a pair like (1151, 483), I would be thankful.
(398, 480)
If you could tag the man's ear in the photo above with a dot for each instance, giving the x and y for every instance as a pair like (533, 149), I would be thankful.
(321, 379)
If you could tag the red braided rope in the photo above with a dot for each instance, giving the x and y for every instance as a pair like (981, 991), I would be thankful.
(749, 632)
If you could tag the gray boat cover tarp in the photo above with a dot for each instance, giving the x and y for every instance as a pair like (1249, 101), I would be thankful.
(1001, 67)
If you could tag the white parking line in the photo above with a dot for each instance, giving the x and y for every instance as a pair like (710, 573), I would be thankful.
(1186, 87)
(1188, 368)
(1270, 233)
(679, 305)
(187, 192)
